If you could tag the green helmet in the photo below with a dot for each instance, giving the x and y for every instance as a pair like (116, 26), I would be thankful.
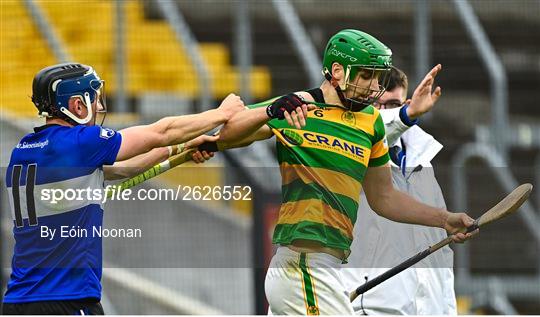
(354, 50)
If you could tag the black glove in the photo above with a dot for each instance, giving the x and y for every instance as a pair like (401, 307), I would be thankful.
(208, 147)
(287, 103)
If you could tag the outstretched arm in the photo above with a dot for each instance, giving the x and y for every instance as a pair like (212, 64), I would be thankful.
(262, 133)
(175, 130)
(242, 125)
(135, 165)
(390, 203)
(289, 107)
(140, 163)
(249, 126)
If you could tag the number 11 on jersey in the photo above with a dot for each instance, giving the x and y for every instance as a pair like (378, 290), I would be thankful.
(16, 195)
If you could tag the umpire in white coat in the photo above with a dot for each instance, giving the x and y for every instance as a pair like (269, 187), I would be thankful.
(379, 243)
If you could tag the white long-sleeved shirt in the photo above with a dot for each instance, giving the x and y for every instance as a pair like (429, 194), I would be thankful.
(379, 243)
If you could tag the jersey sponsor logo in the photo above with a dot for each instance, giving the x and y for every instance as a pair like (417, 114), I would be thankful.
(328, 143)
(293, 137)
(334, 144)
(106, 133)
(34, 145)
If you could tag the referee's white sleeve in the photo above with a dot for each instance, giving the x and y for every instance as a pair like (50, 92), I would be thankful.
(393, 125)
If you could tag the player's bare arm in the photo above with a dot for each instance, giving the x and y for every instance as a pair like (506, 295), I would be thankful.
(135, 165)
(262, 133)
(289, 107)
(175, 130)
(140, 163)
(243, 124)
(390, 203)
(249, 126)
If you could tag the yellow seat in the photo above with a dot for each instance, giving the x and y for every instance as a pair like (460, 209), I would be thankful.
(156, 60)
(464, 304)
(162, 64)
(23, 52)
(215, 55)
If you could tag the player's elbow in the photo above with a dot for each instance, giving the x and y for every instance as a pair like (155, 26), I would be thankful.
(379, 202)
(376, 207)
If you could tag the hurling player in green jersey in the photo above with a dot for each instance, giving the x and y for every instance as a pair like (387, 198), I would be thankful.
(327, 156)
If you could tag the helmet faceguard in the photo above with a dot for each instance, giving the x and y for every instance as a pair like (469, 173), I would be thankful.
(365, 95)
(54, 86)
(360, 54)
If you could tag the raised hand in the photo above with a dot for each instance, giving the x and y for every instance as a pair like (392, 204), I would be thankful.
(231, 105)
(423, 99)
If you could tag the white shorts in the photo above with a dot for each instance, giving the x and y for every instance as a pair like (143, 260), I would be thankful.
(306, 284)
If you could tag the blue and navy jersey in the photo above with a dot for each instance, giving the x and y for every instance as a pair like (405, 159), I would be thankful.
(48, 267)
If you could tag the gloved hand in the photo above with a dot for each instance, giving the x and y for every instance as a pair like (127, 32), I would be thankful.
(288, 103)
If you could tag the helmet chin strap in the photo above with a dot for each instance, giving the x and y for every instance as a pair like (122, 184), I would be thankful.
(88, 105)
(350, 104)
(103, 119)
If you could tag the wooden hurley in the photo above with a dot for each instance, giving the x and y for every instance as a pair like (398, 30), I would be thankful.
(505, 207)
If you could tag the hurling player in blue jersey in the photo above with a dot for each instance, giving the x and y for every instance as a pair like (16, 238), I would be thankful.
(62, 275)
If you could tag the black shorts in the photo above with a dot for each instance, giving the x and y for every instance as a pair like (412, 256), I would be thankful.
(72, 307)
